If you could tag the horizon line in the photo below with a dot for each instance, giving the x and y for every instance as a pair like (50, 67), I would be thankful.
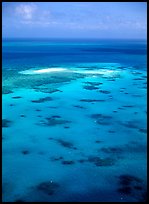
(69, 38)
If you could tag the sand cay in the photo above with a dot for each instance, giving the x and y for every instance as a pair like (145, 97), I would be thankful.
(80, 71)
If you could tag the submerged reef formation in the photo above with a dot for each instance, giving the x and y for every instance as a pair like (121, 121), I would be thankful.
(93, 83)
(132, 147)
(102, 119)
(108, 135)
(6, 123)
(78, 106)
(90, 87)
(132, 186)
(16, 97)
(68, 162)
(6, 90)
(65, 144)
(48, 187)
(56, 158)
(41, 100)
(92, 100)
(53, 121)
(105, 91)
(134, 124)
(47, 90)
(112, 150)
(25, 152)
(101, 161)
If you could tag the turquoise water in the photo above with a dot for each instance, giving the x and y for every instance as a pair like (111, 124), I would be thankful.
(74, 120)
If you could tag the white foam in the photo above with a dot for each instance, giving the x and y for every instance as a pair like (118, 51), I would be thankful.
(80, 71)
(48, 70)
(99, 71)
(42, 71)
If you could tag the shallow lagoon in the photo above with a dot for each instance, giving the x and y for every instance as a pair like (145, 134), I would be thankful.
(78, 133)
(75, 141)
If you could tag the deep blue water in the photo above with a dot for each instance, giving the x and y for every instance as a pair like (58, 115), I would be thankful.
(18, 53)
(74, 122)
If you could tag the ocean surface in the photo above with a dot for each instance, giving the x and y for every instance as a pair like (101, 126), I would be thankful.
(74, 122)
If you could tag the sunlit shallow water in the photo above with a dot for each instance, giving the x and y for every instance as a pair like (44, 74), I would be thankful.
(74, 133)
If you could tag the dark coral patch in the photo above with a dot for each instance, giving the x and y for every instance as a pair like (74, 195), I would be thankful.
(65, 143)
(16, 97)
(138, 79)
(20, 200)
(136, 95)
(131, 124)
(130, 185)
(66, 127)
(98, 141)
(103, 122)
(90, 87)
(25, 152)
(53, 122)
(143, 130)
(6, 90)
(121, 108)
(56, 158)
(135, 112)
(144, 87)
(139, 188)
(81, 160)
(96, 116)
(48, 188)
(125, 190)
(100, 161)
(111, 80)
(50, 138)
(93, 83)
(136, 148)
(11, 104)
(56, 116)
(68, 162)
(42, 100)
(6, 123)
(102, 119)
(136, 73)
(112, 150)
(105, 92)
(128, 106)
(22, 116)
(92, 100)
(38, 110)
(78, 106)
(128, 179)
(47, 90)
(111, 131)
